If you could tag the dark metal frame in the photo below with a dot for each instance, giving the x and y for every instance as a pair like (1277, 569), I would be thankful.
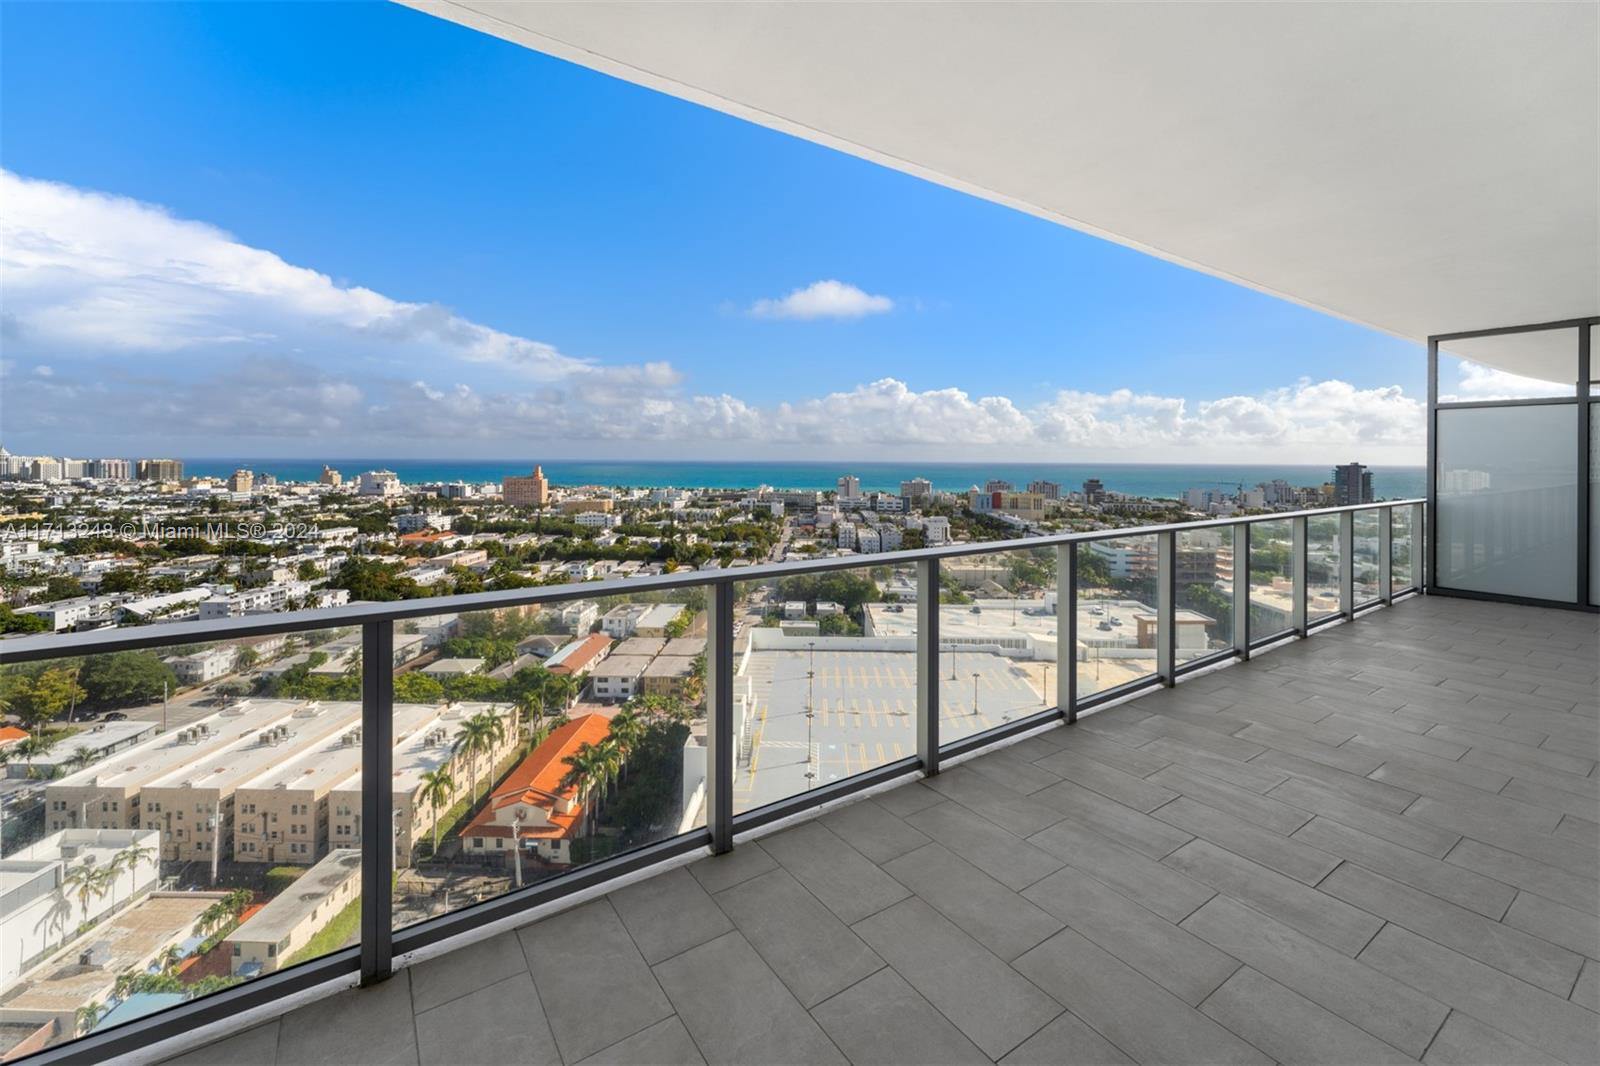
(372, 961)
(1582, 398)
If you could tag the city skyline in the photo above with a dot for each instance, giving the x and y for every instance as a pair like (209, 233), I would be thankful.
(350, 271)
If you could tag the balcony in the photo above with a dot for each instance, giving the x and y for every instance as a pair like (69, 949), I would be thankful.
(1371, 846)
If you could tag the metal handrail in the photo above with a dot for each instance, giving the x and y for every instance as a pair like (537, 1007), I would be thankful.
(99, 641)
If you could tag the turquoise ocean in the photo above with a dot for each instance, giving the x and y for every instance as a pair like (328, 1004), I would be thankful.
(1137, 479)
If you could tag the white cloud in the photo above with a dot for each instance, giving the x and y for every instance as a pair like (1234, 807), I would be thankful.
(1479, 382)
(124, 326)
(823, 299)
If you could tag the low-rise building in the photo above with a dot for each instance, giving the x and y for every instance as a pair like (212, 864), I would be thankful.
(530, 808)
(617, 677)
(205, 665)
(264, 941)
(194, 805)
(579, 656)
(453, 667)
(38, 910)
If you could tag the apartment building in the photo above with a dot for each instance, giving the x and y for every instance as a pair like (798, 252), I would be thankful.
(159, 469)
(641, 619)
(530, 491)
(380, 483)
(428, 746)
(269, 937)
(205, 665)
(194, 805)
(107, 795)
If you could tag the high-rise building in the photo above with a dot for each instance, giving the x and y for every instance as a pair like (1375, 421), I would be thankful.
(330, 476)
(1352, 484)
(111, 469)
(916, 490)
(998, 485)
(241, 481)
(1093, 490)
(1050, 490)
(530, 491)
(849, 487)
(160, 470)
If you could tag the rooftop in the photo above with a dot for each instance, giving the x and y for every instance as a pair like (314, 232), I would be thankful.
(1331, 852)
(284, 913)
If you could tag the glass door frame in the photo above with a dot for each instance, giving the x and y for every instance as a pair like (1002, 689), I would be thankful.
(1582, 397)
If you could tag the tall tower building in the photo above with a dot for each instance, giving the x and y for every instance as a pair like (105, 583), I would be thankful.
(1352, 484)
(530, 491)
(849, 487)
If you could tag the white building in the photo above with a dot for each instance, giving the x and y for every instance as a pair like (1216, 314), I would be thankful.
(380, 483)
(39, 911)
(205, 665)
(597, 519)
(935, 530)
(580, 615)
(849, 487)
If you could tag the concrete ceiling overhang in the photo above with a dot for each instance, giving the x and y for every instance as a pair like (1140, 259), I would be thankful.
(1419, 168)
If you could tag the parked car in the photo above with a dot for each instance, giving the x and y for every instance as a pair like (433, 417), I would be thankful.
(115, 716)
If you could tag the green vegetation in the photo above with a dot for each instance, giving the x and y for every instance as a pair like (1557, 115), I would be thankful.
(340, 931)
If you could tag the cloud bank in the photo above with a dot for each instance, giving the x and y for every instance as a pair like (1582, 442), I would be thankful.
(127, 329)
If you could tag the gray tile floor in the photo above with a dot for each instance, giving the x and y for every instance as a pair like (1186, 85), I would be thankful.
(1378, 845)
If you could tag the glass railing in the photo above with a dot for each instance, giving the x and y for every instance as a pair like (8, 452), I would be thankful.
(208, 816)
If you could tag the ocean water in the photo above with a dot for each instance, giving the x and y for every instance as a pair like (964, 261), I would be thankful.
(1137, 479)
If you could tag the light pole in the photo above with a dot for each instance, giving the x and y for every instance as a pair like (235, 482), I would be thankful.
(811, 717)
(813, 646)
(952, 663)
(1044, 695)
(974, 692)
(516, 848)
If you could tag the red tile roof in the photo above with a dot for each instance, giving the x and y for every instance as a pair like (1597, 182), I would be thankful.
(536, 782)
(10, 734)
(583, 656)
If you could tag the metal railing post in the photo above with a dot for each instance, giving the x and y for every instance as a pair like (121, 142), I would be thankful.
(1347, 564)
(377, 800)
(1167, 608)
(1241, 590)
(1301, 586)
(928, 665)
(1420, 556)
(719, 716)
(1067, 629)
(1386, 555)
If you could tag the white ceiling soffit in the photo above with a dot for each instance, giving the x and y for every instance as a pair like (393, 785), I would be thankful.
(1420, 168)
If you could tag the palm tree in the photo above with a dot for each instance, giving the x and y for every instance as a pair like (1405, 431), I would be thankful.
(80, 758)
(437, 788)
(169, 958)
(628, 730)
(128, 859)
(34, 747)
(586, 772)
(87, 1016)
(479, 735)
(87, 881)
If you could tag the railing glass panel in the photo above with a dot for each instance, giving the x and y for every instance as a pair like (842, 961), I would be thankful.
(997, 640)
(1404, 548)
(1117, 584)
(824, 679)
(1366, 554)
(1271, 578)
(1203, 578)
(165, 824)
(1322, 566)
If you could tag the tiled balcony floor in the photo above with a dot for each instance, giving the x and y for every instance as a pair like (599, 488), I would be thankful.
(1377, 845)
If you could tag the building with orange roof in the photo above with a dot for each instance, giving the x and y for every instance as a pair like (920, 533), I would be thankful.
(579, 656)
(10, 734)
(529, 807)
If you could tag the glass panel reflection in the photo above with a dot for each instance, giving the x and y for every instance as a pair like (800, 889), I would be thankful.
(1271, 578)
(1204, 577)
(1366, 553)
(148, 851)
(1116, 580)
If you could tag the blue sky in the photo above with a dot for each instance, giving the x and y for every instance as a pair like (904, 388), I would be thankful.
(628, 236)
